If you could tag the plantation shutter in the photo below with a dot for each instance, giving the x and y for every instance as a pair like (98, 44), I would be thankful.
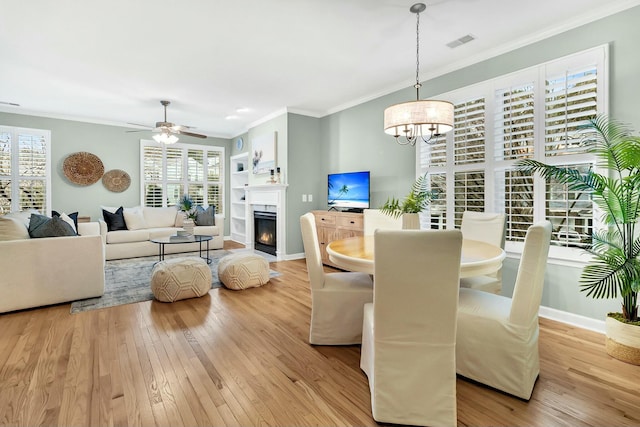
(468, 134)
(514, 122)
(436, 215)
(195, 176)
(5, 171)
(25, 172)
(468, 193)
(214, 180)
(570, 212)
(171, 172)
(153, 176)
(570, 101)
(514, 196)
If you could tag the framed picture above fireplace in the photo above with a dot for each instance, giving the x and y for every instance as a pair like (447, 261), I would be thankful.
(263, 151)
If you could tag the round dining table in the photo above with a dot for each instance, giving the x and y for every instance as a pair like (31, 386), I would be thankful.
(357, 254)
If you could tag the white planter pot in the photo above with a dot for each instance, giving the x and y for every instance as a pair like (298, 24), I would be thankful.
(623, 341)
(411, 221)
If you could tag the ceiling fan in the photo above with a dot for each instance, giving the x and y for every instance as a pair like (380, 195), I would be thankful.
(167, 131)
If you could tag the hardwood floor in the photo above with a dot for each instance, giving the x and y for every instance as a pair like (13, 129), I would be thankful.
(241, 358)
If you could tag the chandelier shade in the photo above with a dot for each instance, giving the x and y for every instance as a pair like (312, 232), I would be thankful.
(422, 118)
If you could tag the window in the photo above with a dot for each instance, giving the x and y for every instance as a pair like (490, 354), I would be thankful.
(25, 169)
(534, 113)
(169, 172)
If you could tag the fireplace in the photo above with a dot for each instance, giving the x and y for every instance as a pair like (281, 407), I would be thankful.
(264, 226)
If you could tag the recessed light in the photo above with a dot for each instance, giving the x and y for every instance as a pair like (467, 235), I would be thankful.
(242, 110)
(231, 117)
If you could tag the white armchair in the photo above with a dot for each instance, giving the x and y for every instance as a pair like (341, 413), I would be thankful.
(374, 219)
(497, 342)
(484, 227)
(409, 331)
(337, 299)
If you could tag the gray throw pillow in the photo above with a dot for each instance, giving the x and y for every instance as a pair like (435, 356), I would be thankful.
(205, 216)
(43, 226)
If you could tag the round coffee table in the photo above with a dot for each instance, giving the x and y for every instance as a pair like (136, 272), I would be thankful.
(177, 240)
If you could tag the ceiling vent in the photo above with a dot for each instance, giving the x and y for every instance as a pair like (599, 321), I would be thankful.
(462, 40)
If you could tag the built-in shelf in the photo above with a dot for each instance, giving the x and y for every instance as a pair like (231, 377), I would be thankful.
(239, 180)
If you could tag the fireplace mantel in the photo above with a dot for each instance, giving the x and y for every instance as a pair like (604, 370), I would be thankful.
(267, 197)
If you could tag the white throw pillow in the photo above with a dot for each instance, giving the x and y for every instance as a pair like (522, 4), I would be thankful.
(160, 217)
(12, 229)
(66, 218)
(134, 218)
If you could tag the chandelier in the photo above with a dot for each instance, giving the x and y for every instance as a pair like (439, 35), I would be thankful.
(420, 119)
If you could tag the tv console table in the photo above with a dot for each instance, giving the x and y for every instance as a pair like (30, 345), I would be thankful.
(336, 225)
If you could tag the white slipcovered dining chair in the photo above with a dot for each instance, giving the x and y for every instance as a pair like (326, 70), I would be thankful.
(489, 228)
(337, 299)
(374, 219)
(497, 342)
(409, 331)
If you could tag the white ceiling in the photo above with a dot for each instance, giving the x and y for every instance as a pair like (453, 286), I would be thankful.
(112, 62)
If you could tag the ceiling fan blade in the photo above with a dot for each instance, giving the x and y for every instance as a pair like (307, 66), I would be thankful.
(139, 130)
(197, 135)
(138, 124)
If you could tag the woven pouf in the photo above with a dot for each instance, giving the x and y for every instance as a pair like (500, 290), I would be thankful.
(242, 271)
(180, 278)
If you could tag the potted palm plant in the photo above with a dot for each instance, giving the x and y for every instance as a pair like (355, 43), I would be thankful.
(415, 202)
(615, 268)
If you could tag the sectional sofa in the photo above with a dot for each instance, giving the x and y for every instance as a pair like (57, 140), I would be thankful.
(146, 223)
(50, 270)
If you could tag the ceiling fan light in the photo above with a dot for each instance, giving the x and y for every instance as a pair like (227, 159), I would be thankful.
(165, 138)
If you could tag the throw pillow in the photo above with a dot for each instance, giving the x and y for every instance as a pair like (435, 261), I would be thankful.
(71, 219)
(205, 216)
(12, 228)
(115, 221)
(43, 226)
(134, 219)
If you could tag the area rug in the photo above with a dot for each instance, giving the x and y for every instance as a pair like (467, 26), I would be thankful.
(128, 281)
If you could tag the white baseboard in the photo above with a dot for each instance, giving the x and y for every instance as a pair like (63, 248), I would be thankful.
(572, 319)
(291, 257)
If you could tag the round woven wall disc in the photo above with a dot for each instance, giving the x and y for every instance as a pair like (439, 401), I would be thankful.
(83, 168)
(116, 180)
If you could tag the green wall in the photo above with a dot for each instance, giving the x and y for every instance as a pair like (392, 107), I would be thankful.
(306, 175)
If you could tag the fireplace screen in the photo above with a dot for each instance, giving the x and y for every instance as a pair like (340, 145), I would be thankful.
(265, 231)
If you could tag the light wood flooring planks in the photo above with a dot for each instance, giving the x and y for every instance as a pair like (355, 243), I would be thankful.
(241, 358)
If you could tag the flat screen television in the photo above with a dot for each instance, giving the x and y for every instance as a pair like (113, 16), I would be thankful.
(348, 191)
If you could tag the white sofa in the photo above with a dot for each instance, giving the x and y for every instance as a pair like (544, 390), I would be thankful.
(146, 223)
(51, 270)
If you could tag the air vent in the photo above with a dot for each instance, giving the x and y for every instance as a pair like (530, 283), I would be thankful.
(462, 40)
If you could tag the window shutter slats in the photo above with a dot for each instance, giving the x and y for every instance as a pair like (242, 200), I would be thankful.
(468, 193)
(513, 122)
(469, 132)
(570, 212)
(517, 203)
(570, 100)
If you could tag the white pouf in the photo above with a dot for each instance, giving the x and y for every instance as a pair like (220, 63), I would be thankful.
(180, 278)
(242, 271)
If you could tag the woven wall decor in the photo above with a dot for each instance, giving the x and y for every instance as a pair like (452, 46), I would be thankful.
(83, 168)
(116, 180)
